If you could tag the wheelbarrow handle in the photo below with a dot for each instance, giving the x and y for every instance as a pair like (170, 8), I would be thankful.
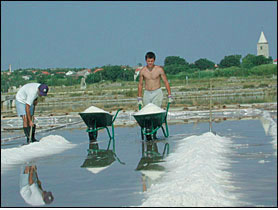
(116, 114)
(168, 105)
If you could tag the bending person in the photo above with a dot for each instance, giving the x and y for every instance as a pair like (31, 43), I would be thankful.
(26, 100)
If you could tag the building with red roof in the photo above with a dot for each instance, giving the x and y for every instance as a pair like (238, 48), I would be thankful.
(45, 73)
(97, 70)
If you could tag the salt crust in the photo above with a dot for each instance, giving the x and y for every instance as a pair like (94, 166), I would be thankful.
(150, 109)
(93, 109)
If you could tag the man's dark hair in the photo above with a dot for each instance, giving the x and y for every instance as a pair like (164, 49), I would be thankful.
(150, 55)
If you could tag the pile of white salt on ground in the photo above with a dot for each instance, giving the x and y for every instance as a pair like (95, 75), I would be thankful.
(197, 175)
(150, 109)
(48, 145)
(93, 109)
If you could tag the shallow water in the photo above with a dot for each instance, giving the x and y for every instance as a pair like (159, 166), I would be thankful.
(253, 167)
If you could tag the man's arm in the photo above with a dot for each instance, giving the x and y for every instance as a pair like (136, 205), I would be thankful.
(28, 115)
(165, 80)
(31, 174)
(35, 102)
(140, 84)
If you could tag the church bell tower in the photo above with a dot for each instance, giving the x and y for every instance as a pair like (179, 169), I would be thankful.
(262, 46)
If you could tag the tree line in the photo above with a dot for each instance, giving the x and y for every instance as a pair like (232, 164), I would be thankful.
(174, 66)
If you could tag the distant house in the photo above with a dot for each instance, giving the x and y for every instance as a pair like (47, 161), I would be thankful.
(84, 73)
(275, 61)
(124, 67)
(26, 77)
(60, 72)
(45, 73)
(6, 72)
(97, 70)
(69, 73)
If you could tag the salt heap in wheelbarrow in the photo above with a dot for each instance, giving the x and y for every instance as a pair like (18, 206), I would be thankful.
(96, 117)
(150, 112)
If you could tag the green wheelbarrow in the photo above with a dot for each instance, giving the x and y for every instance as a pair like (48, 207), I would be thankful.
(97, 121)
(150, 123)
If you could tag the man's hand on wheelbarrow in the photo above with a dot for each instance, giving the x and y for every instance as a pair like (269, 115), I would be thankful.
(170, 99)
(140, 101)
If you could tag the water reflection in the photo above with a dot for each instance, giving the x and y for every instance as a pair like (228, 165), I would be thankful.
(150, 162)
(98, 159)
(31, 187)
(266, 123)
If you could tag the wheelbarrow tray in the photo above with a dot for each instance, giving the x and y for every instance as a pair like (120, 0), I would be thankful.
(97, 119)
(150, 163)
(100, 159)
(156, 119)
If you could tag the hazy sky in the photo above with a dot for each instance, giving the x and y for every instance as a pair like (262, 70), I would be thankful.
(95, 33)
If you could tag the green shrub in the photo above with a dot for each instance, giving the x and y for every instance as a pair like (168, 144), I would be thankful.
(263, 70)
(248, 86)
(131, 93)
(263, 85)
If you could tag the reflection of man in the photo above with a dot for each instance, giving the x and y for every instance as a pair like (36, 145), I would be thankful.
(31, 189)
(149, 164)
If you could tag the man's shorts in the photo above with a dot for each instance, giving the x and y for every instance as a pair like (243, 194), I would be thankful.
(21, 108)
(153, 96)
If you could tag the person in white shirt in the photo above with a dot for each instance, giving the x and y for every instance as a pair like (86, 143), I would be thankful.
(26, 100)
(31, 189)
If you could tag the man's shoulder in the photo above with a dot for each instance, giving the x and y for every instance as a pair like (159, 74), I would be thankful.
(159, 68)
(143, 70)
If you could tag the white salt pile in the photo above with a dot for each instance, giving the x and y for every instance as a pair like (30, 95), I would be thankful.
(196, 175)
(150, 109)
(48, 145)
(93, 109)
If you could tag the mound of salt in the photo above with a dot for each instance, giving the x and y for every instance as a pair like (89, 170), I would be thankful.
(93, 109)
(150, 109)
(48, 145)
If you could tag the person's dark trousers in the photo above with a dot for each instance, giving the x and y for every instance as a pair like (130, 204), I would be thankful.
(33, 134)
(27, 133)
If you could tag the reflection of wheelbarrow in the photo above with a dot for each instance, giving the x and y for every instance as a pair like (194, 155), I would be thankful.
(98, 159)
(97, 121)
(150, 162)
(151, 156)
(151, 122)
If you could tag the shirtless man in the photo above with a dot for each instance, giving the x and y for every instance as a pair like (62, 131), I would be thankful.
(152, 74)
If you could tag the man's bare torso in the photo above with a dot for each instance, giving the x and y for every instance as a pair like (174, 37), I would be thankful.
(152, 77)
